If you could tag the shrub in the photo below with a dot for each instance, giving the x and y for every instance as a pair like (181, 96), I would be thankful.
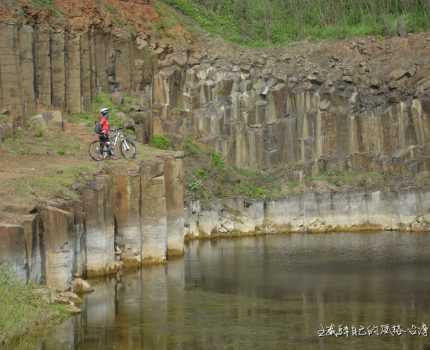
(217, 161)
(161, 142)
(190, 148)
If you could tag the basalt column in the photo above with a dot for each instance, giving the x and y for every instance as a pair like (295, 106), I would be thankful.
(12, 249)
(58, 237)
(174, 177)
(127, 194)
(100, 231)
(153, 217)
(10, 83)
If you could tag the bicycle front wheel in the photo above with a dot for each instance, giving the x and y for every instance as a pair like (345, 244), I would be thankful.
(96, 152)
(128, 149)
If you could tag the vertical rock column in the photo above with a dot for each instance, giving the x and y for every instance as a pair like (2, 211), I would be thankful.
(10, 84)
(43, 66)
(27, 68)
(58, 70)
(31, 225)
(12, 249)
(100, 228)
(57, 246)
(86, 73)
(73, 77)
(126, 201)
(153, 214)
(174, 177)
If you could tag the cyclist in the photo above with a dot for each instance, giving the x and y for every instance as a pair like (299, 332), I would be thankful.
(105, 130)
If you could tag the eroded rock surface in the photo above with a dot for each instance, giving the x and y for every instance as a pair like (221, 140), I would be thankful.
(405, 210)
(122, 210)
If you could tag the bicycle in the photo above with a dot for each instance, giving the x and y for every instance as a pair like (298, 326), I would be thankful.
(101, 150)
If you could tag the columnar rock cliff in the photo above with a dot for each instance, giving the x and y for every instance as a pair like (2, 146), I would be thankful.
(356, 105)
(268, 112)
(124, 218)
(43, 67)
(314, 212)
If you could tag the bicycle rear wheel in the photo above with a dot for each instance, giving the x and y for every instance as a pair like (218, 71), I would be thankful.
(128, 149)
(96, 152)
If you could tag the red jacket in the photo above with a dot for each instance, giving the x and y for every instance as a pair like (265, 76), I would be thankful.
(105, 125)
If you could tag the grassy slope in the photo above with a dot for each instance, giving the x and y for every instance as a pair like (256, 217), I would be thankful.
(268, 22)
(21, 309)
(208, 176)
(44, 164)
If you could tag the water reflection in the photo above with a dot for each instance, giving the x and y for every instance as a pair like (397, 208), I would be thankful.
(265, 293)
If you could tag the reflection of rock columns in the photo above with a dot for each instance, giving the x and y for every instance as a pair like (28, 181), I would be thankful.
(154, 286)
(99, 312)
(176, 301)
(63, 337)
(130, 311)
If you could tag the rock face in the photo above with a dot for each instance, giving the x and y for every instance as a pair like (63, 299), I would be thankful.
(312, 212)
(123, 211)
(256, 117)
(54, 68)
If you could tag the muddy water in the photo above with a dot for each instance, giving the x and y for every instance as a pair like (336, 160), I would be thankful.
(262, 293)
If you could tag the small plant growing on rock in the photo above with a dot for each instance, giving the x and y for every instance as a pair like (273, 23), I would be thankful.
(161, 142)
(195, 185)
(39, 132)
(217, 161)
(191, 148)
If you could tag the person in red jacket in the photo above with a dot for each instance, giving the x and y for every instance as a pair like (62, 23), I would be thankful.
(105, 129)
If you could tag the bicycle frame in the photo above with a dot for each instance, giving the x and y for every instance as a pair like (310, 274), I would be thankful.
(119, 136)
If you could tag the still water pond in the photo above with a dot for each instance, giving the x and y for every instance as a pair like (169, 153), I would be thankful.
(262, 293)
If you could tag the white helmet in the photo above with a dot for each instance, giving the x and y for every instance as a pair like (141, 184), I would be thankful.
(104, 111)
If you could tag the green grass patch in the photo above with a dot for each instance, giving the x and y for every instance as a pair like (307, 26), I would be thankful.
(349, 178)
(211, 177)
(46, 5)
(161, 142)
(104, 100)
(43, 142)
(21, 308)
(52, 183)
(191, 148)
(275, 22)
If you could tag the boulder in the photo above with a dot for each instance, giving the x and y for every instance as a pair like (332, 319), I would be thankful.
(129, 123)
(121, 116)
(54, 119)
(37, 121)
(80, 286)
(117, 98)
(47, 119)
(399, 73)
(6, 130)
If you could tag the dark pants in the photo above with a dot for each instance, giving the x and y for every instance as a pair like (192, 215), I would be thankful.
(104, 139)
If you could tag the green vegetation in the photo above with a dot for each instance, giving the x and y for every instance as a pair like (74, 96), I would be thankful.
(268, 22)
(52, 183)
(48, 5)
(209, 176)
(22, 308)
(43, 142)
(348, 178)
(104, 100)
(191, 148)
(161, 142)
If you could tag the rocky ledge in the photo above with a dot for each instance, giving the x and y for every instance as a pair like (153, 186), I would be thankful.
(125, 218)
